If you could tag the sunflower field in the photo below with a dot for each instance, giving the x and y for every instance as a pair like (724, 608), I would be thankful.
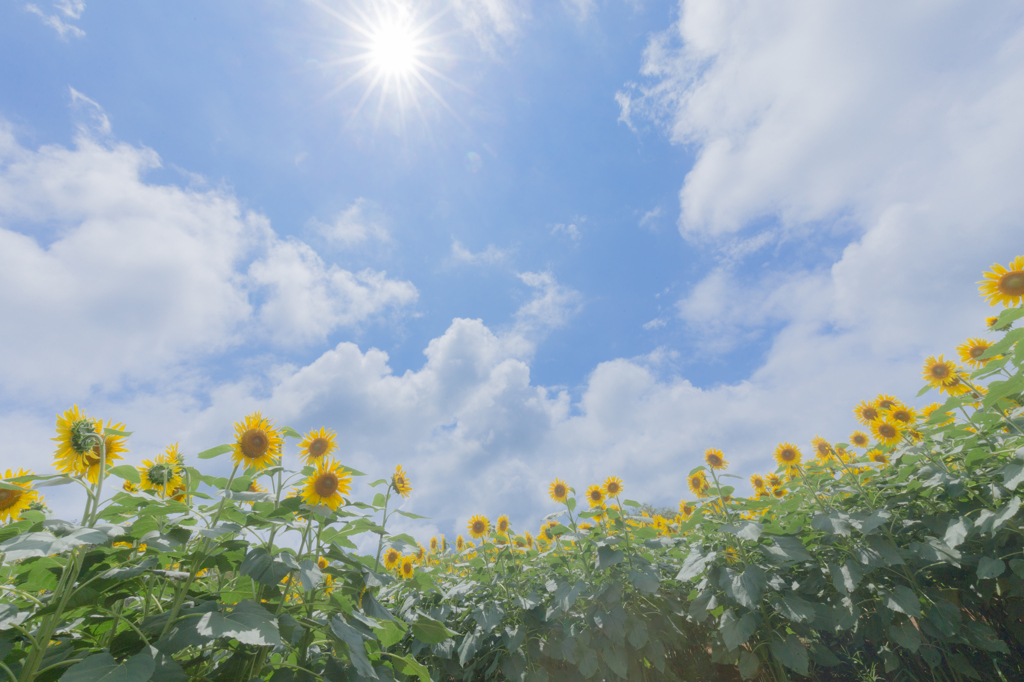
(894, 553)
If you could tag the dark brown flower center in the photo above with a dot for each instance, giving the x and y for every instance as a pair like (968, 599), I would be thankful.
(940, 371)
(1012, 283)
(318, 447)
(887, 431)
(560, 491)
(478, 527)
(254, 444)
(326, 485)
(787, 455)
(8, 497)
(977, 351)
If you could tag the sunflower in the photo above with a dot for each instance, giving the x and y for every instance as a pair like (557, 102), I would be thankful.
(878, 457)
(866, 413)
(971, 350)
(129, 487)
(788, 455)
(421, 553)
(903, 414)
(613, 486)
(955, 386)
(698, 483)
(391, 558)
(257, 442)
(73, 439)
(255, 487)
(327, 484)
(161, 475)
(322, 563)
(938, 371)
(1004, 285)
(822, 449)
(13, 502)
(779, 493)
(757, 482)
(460, 544)
(928, 411)
(478, 526)
(685, 509)
(433, 545)
(408, 566)
(317, 445)
(859, 439)
(887, 432)
(113, 447)
(595, 496)
(400, 482)
(502, 525)
(444, 544)
(991, 322)
(528, 536)
(773, 481)
(715, 459)
(558, 490)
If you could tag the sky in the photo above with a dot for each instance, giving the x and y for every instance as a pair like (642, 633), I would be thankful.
(527, 240)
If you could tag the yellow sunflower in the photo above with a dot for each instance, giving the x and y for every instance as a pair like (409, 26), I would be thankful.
(433, 545)
(327, 484)
(408, 566)
(955, 386)
(13, 502)
(884, 402)
(866, 413)
(73, 440)
(859, 439)
(421, 553)
(460, 544)
(878, 457)
(478, 526)
(322, 563)
(255, 487)
(391, 558)
(971, 350)
(779, 493)
(161, 475)
(887, 432)
(685, 509)
(938, 371)
(257, 443)
(903, 414)
(1004, 285)
(400, 481)
(558, 490)
(595, 496)
(822, 449)
(129, 487)
(757, 482)
(773, 480)
(788, 455)
(991, 321)
(502, 525)
(613, 486)
(528, 536)
(698, 483)
(715, 459)
(317, 445)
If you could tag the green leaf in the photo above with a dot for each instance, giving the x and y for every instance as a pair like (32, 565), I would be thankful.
(213, 452)
(248, 622)
(104, 668)
(990, 568)
(407, 665)
(588, 663)
(291, 433)
(631, 503)
(310, 575)
(261, 567)
(846, 577)
(378, 482)
(735, 631)
(1001, 389)
(746, 588)
(990, 522)
(1013, 475)
(608, 556)
(410, 515)
(378, 500)
(469, 645)
(744, 530)
(795, 609)
(357, 649)
(834, 522)
(571, 503)
(945, 616)
(791, 653)
(957, 531)
(694, 564)
(127, 472)
(389, 634)
(749, 664)
(645, 578)
(906, 635)
(431, 631)
(785, 549)
(115, 432)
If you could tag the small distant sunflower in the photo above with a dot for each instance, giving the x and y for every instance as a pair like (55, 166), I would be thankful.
(257, 443)
(502, 526)
(421, 553)
(866, 412)
(991, 322)
(757, 482)
(317, 445)
(928, 411)
(129, 487)
(408, 566)
(878, 457)
(613, 486)
(903, 414)
(884, 402)
(822, 449)
(391, 558)
(938, 371)
(698, 483)
(322, 563)
(779, 493)
(1004, 285)
(971, 350)
(255, 487)
(433, 545)
(787, 454)
(460, 544)
(327, 484)
(478, 526)
(686, 509)
(13, 502)
(887, 432)
(400, 481)
(558, 490)
(583, 525)
(715, 459)
(595, 496)
(528, 536)
(161, 474)
(859, 439)
(773, 480)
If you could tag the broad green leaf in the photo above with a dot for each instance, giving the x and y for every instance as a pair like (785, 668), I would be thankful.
(378, 482)
(935, 550)
(290, 433)
(1013, 474)
(749, 665)
(127, 472)
(645, 578)
(587, 662)
(115, 432)
(957, 531)
(906, 635)
(745, 530)
(248, 622)
(834, 522)
(407, 665)
(945, 616)
(631, 503)
(904, 600)
(488, 617)
(261, 567)
(615, 657)
(868, 522)
(431, 631)
(310, 575)
(607, 556)
(469, 645)
(410, 515)
(389, 634)
(103, 667)
(785, 549)
(791, 653)
(357, 649)
(694, 564)
(795, 609)
(846, 577)
(735, 631)
(990, 568)
(990, 522)
(214, 452)
(747, 587)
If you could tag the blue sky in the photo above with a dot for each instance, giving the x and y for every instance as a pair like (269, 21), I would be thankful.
(619, 233)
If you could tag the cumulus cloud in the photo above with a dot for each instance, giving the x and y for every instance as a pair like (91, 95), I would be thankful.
(66, 9)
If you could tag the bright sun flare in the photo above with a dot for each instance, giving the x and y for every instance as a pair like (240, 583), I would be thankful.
(393, 49)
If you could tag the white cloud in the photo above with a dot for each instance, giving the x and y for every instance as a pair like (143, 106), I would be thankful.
(571, 230)
(492, 21)
(656, 323)
(356, 225)
(492, 255)
(551, 306)
(98, 120)
(649, 221)
(71, 9)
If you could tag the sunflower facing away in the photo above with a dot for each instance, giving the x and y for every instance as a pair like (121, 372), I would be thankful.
(162, 474)
(887, 432)
(558, 490)
(502, 525)
(478, 526)
(13, 502)
(317, 445)
(859, 439)
(327, 484)
(400, 481)
(971, 350)
(72, 439)
(391, 558)
(257, 443)
(89, 463)
(787, 455)
(613, 486)
(715, 459)
(595, 496)
(866, 412)
(698, 483)
(1004, 285)
(408, 566)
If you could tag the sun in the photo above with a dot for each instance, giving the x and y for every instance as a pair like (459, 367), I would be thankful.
(393, 48)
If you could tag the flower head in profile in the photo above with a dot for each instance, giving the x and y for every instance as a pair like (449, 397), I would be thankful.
(13, 502)
(1004, 285)
(787, 455)
(715, 459)
(698, 483)
(502, 526)
(612, 486)
(478, 526)
(327, 485)
(433, 545)
(391, 558)
(400, 482)
(421, 553)
(528, 536)
(866, 412)
(161, 474)
(558, 490)
(257, 443)
(822, 449)
(460, 544)
(317, 445)
(887, 432)
(859, 439)
(595, 496)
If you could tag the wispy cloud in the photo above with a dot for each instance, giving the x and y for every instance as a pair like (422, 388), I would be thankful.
(492, 255)
(66, 9)
(492, 22)
(359, 223)
(570, 229)
(649, 221)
